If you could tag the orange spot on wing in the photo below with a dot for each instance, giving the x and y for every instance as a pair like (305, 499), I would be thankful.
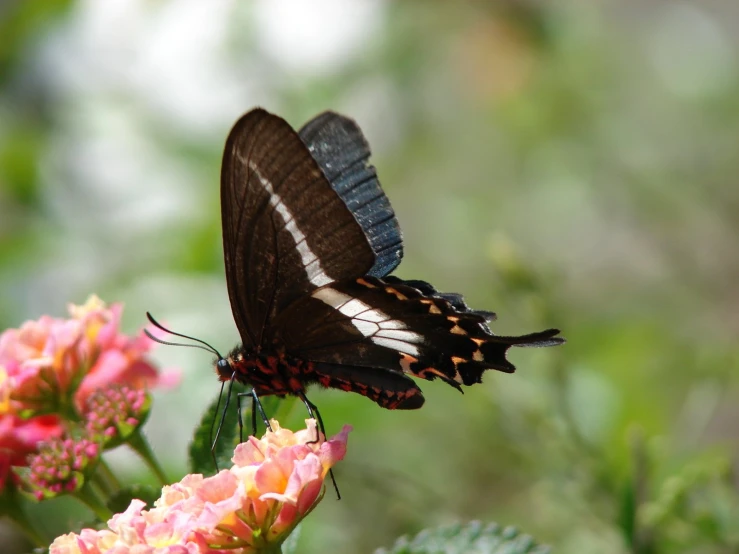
(433, 371)
(405, 362)
(399, 295)
(432, 307)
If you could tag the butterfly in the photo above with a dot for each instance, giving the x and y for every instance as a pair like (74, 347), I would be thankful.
(309, 242)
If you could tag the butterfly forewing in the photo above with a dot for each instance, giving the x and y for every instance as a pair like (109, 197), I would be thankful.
(285, 230)
(339, 147)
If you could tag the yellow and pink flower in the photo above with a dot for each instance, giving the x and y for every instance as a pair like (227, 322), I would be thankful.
(51, 366)
(252, 507)
(51, 362)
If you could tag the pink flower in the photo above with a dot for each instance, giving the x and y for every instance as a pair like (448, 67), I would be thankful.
(52, 365)
(88, 541)
(274, 483)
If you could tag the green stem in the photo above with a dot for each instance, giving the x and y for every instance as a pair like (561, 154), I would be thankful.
(106, 480)
(138, 442)
(89, 499)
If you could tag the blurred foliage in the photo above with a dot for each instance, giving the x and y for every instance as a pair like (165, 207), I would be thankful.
(473, 538)
(569, 164)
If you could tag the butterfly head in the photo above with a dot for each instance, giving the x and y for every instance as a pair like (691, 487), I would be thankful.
(241, 364)
(223, 369)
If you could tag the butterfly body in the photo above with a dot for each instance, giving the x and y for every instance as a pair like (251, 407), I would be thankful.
(280, 375)
(310, 240)
(269, 373)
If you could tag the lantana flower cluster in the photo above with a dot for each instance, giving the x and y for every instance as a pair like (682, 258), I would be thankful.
(58, 466)
(251, 507)
(50, 367)
(70, 389)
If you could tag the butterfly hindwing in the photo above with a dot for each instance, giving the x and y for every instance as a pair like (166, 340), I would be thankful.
(338, 145)
(286, 231)
(392, 326)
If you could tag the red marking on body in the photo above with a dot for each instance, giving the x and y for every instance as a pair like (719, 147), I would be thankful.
(275, 374)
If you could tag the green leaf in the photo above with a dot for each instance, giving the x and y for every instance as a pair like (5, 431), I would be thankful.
(120, 501)
(472, 538)
(201, 460)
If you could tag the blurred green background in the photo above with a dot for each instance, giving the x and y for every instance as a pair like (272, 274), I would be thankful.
(568, 164)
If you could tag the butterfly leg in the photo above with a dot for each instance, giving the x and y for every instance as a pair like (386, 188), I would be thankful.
(214, 439)
(315, 414)
(253, 419)
(239, 416)
(256, 404)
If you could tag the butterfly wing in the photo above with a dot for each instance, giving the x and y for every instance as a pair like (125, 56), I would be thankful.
(338, 145)
(286, 231)
(390, 327)
(390, 389)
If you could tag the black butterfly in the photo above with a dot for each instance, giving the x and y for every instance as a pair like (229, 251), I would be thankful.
(309, 240)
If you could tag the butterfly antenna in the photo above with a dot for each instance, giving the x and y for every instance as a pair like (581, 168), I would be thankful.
(207, 347)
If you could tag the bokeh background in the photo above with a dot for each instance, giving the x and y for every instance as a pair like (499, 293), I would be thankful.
(569, 164)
